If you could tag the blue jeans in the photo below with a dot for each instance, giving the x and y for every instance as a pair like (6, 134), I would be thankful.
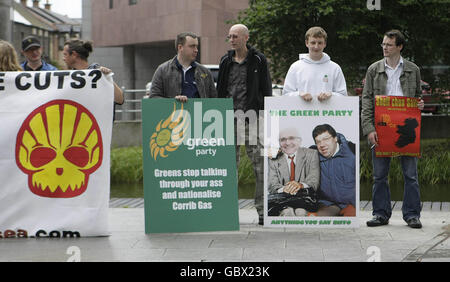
(381, 196)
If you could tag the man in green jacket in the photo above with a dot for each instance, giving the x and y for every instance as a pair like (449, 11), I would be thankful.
(393, 76)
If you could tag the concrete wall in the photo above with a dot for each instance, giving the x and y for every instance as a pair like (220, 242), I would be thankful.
(154, 21)
(134, 40)
(111, 57)
(148, 58)
(5, 20)
(126, 134)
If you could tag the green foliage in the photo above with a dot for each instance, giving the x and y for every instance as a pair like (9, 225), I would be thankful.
(126, 165)
(432, 167)
(277, 28)
(246, 176)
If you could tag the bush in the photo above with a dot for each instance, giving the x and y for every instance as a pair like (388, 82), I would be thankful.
(432, 166)
(126, 165)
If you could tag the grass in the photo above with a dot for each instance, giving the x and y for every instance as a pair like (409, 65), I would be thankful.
(126, 165)
(433, 166)
(246, 176)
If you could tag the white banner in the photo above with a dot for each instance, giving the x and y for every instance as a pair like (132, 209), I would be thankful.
(55, 136)
(312, 162)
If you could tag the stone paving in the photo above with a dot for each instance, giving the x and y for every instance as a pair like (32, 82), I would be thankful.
(392, 243)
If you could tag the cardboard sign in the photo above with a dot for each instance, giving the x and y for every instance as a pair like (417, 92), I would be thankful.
(397, 123)
(190, 182)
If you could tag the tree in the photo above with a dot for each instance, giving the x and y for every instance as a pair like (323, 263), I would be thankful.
(277, 28)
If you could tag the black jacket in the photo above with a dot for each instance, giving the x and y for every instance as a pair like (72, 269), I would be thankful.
(259, 82)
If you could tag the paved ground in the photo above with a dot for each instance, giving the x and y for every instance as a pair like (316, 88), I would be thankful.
(394, 242)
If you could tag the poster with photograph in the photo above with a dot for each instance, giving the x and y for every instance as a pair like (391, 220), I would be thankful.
(311, 162)
(397, 122)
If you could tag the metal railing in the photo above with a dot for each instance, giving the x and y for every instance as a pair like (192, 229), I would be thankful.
(130, 110)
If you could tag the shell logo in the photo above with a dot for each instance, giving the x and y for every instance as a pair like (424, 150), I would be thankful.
(169, 133)
(58, 146)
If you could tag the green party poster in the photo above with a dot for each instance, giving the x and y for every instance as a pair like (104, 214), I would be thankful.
(190, 182)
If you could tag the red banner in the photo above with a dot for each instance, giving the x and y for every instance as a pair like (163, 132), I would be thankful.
(397, 122)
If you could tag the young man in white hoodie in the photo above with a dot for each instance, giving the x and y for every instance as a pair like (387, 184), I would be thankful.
(314, 74)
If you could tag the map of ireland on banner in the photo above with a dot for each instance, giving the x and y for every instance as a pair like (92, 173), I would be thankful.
(397, 122)
(54, 163)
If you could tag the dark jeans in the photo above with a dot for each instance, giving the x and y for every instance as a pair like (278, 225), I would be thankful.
(381, 196)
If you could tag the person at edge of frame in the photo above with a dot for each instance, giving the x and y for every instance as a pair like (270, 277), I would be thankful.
(8, 55)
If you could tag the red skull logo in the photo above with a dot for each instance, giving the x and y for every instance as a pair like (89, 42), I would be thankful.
(59, 145)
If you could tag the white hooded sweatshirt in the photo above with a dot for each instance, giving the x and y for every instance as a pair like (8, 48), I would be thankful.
(314, 77)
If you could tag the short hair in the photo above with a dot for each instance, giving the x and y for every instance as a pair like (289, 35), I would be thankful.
(181, 38)
(323, 128)
(399, 37)
(241, 28)
(316, 31)
(82, 47)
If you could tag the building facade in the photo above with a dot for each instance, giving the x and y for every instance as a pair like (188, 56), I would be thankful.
(133, 37)
(51, 28)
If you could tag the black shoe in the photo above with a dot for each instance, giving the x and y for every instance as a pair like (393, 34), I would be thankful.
(414, 222)
(377, 221)
(261, 220)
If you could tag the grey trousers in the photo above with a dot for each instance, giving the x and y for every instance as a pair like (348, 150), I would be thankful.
(255, 154)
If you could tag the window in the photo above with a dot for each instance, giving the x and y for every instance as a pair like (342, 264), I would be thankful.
(111, 4)
(132, 2)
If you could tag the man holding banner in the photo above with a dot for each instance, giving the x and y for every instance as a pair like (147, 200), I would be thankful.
(314, 74)
(244, 76)
(392, 76)
(75, 55)
(182, 77)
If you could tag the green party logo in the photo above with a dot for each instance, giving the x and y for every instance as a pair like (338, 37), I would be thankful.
(169, 133)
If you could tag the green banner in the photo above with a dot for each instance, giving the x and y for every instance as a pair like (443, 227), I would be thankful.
(190, 182)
